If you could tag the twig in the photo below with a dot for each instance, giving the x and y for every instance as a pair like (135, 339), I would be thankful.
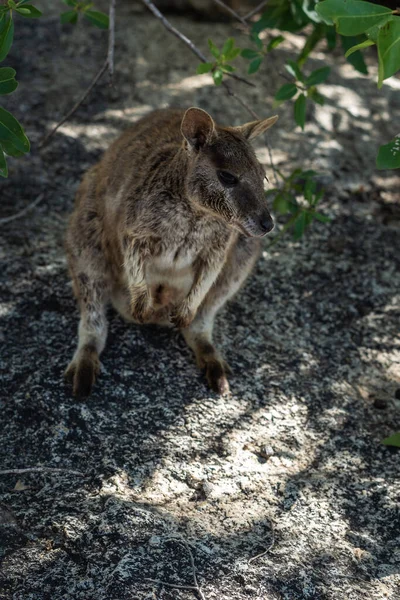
(186, 40)
(196, 587)
(39, 470)
(108, 64)
(255, 10)
(111, 42)
(69, 114)
(22, 212)
(265, 551)
(172, 585)
(232, 12)
(255, 116)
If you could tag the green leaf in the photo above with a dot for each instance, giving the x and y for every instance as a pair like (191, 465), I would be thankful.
(300, 225)
(97, 18)
(388, 50)
(320, 217)
(331, 37)
(234, 53)
(274, 42)
(353, 17)
(71, 16)
(311, 41)
(294, 69)
(11, 131)
(7, 73)
(255, 65)
(228, 46)
(360, 46)
(287, 91)
(6, 36)
(255, 38)
(204, 68)
(9, 149)
(284, 202)
(217, 76)
(300, 110)
(29, 11)
(389, 155)
(392, 440)
(309, 190)
(356, 59)
(3, 164)
(315, 96)
(317, 76)
(213, 49)
(249, 53)
(70, 2)
(227, 68)
(7, 87)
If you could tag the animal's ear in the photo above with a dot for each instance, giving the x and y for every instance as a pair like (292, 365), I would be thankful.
(254, 128)
(197, 127)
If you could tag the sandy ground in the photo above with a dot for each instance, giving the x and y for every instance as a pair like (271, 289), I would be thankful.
(290, 466)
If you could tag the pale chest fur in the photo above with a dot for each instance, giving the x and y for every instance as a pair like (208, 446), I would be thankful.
(171, 274)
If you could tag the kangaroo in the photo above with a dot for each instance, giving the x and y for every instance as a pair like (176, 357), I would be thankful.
(166, 228)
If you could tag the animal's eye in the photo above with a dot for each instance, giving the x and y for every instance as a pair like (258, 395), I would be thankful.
(227, 178)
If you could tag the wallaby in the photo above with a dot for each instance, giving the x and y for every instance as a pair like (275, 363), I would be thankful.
(166, 227)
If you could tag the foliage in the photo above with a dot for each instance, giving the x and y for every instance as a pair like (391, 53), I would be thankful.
(357, 24)
(222, 59)
(392, 440)
(13, 140)
(97, 18)
(299, 184)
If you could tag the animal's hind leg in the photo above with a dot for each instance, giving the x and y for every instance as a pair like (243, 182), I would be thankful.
(92, 295)
(198, 335)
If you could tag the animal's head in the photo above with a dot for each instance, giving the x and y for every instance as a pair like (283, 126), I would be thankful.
(225, 176)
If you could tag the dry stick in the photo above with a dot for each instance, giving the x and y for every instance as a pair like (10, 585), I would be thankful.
(23, 211)
(232, 12)
(172, 585)
(196, 583)
(255, 10)
(265, 551)
(251, 111)
(186, 40)
(108, 64)
(196, 587)
(111, 42)
(255, 116)
(39, 470)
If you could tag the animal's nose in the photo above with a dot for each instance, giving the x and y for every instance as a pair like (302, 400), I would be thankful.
(266, 223)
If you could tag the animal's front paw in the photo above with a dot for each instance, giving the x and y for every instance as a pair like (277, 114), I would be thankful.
(216, 373)
(141, 308)
(82, 373)
(182, 316)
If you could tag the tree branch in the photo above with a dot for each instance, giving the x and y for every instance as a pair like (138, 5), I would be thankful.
(231, 12)
(39, 470)
(108, 64)
(111, 42)
(186, 40)
(22, 212)
(255, 10)
(255, 116)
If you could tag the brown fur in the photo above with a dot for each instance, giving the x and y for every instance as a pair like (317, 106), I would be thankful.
(161, 233)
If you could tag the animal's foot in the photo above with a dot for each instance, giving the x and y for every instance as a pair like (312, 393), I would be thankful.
(182, 316)
(216, 373)
(141, 308)
(82, 372)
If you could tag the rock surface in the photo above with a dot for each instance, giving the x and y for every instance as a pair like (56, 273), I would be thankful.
(282, 490)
